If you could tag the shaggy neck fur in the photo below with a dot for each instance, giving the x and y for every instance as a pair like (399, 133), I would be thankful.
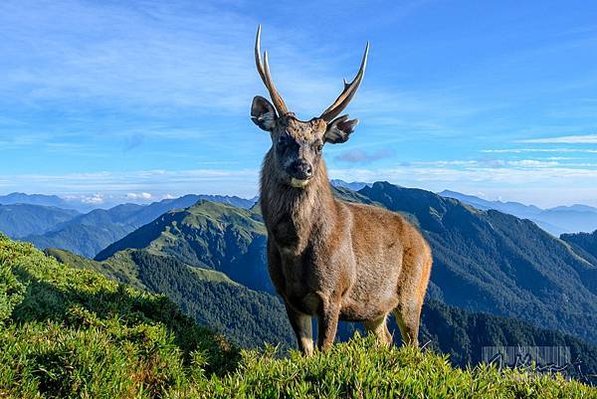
(295, 213)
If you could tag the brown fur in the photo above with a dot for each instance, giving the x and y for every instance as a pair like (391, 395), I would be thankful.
(338, 260)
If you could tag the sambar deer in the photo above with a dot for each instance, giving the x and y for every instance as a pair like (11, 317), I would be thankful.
(326, 257)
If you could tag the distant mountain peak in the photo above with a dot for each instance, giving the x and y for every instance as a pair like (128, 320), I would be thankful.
(558, 220)
(355, 185)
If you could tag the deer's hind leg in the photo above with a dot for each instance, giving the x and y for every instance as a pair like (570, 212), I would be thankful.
(411, 292)
(408, 310)
(408, 321)
(379, 327)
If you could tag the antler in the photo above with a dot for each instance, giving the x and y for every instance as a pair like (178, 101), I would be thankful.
(349, 91)
(263, 69)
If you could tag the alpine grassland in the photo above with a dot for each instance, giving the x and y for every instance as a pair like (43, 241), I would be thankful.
(68, 332)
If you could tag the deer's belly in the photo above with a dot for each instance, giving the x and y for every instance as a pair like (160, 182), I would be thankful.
(360, 305)
(307, 303)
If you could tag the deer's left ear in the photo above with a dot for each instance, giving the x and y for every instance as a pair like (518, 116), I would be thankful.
(339, 129)
(263, 113)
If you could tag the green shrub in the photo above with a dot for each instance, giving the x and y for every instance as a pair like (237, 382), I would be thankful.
(74, 333)
(360, 369)
(11, 291)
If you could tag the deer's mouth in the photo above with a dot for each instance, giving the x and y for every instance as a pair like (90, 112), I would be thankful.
(299, 183)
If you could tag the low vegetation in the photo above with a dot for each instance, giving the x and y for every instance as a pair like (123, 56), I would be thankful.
(67, 332)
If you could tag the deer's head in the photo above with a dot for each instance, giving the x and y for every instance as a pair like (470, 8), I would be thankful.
(297, 144)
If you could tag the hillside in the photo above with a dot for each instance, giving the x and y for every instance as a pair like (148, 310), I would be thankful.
(248, 318)
(66, 332)
(70, 333)
(584, 243)
(488, 261)
(88, 234)
(207, 235)
(20, 220)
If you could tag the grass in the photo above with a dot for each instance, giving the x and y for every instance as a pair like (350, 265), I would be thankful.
(73, 333)
(359, 369)
(68, 332)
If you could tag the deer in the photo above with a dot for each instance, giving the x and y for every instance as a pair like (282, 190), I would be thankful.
(329, 259)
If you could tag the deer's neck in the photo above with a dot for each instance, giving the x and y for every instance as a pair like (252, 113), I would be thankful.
(294, 215)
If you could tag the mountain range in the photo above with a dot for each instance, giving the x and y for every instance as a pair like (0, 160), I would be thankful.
(493, 262)
(209, 259)
(485, 261)
(355, 185)
(42, 199)
(496, 278)
(87, 234)
(21, 220)
(558, 220)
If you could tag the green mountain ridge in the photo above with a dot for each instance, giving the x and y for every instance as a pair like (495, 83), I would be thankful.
(492, 262)
(207, 235)
(484, 261)
(89, 233)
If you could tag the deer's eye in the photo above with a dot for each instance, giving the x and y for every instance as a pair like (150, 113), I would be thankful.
(318, 145)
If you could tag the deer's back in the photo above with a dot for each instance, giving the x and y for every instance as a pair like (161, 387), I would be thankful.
(379, 231)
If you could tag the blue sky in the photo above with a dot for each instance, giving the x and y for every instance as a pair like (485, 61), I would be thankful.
(141, 100)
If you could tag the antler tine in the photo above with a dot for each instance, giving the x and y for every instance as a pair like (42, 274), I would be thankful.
(263, 69)
(348, 93)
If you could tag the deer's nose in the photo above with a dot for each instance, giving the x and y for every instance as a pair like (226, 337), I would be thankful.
(301, 170)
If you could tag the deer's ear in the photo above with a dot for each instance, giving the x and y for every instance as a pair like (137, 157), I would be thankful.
(339, 129)
(263, 113)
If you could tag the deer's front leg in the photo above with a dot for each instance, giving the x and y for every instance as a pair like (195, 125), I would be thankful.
(303, 329)
(328, 324)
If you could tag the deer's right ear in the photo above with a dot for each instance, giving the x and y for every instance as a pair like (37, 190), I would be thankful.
(263, 113)
(340, 129)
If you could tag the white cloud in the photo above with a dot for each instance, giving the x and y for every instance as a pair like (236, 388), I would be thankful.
(95, 199)
(532, 163)
(361, 156)
(574, 139)
(139, 196)
(153, 57)
(138, 184)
